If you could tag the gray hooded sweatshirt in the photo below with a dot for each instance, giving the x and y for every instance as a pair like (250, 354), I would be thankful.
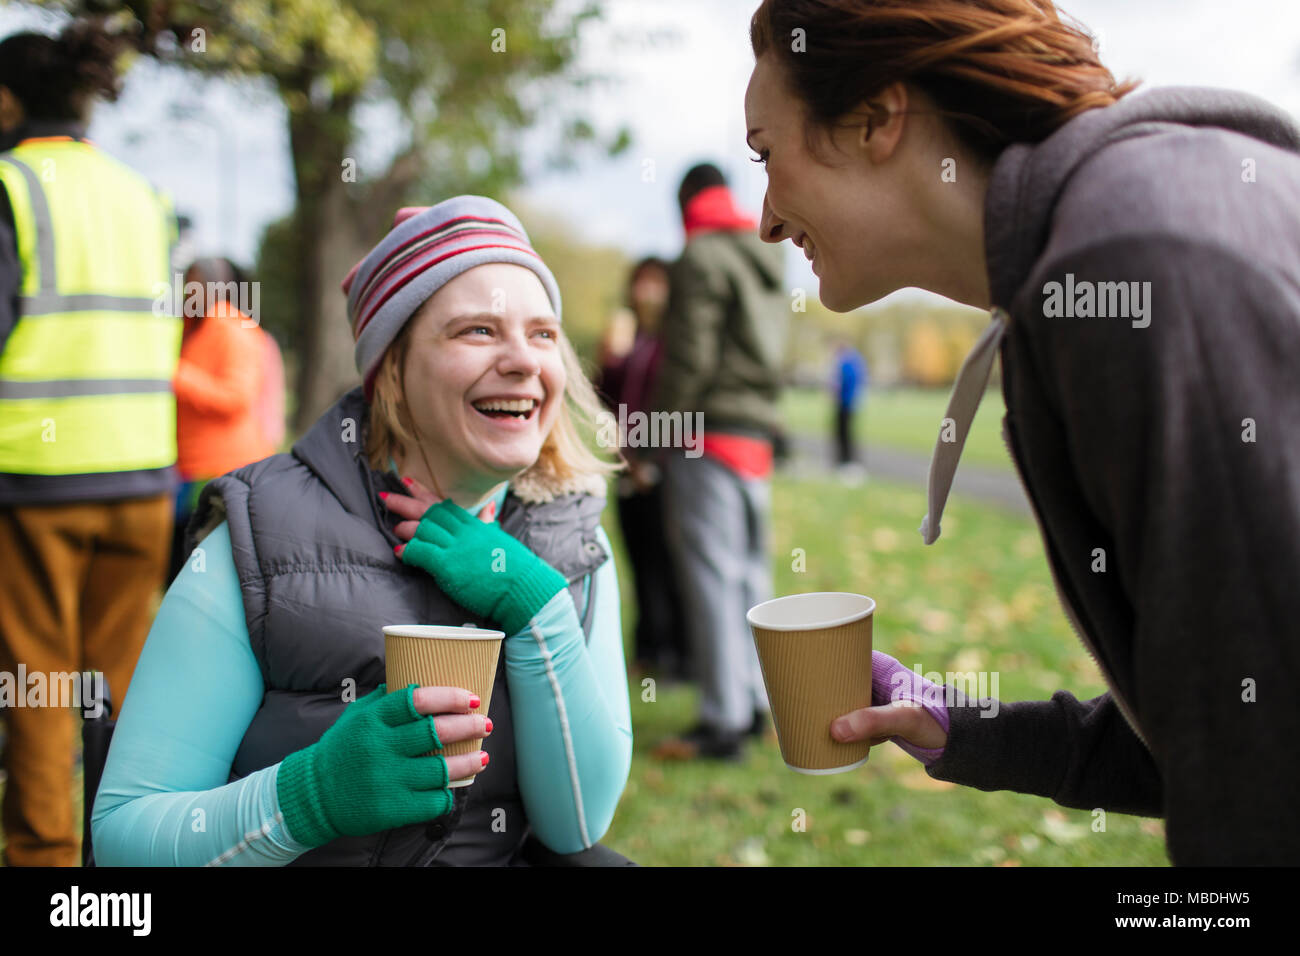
(1147, 257)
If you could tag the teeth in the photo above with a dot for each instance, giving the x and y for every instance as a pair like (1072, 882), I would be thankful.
(500, 405)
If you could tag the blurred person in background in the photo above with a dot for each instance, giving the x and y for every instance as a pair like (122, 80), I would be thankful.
(87, 414)
(848, 386)
(220, 383)
(628, 367)
(724, 335)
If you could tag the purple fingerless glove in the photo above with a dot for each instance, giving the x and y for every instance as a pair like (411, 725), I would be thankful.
(891, 681)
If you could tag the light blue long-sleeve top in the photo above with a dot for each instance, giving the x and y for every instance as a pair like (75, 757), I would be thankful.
(164, 800)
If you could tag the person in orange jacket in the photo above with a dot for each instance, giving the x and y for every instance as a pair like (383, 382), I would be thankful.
(219, 383)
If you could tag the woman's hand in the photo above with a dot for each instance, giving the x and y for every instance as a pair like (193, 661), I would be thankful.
(372, 769)
(476, 563)
(414, 505)
(906, 708)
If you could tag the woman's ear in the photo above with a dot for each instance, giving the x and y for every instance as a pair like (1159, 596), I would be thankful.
(884, 126)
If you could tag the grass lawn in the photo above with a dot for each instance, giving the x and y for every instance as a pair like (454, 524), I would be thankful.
(980, 598)
(903, 418)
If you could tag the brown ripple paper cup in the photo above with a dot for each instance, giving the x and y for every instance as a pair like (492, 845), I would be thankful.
(815, 651)
(435, 656)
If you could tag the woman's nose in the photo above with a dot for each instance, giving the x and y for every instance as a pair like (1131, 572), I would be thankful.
(770, 228)
(516, 356)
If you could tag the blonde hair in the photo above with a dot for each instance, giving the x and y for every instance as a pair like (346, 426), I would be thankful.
(566, 458)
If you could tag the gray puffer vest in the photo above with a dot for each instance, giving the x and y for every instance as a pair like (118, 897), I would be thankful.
(313, 547)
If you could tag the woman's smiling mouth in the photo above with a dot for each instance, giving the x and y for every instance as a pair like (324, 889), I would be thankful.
(809, 248)
(513, 413)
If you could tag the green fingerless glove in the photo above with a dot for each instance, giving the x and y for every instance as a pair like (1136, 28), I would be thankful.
(367, 773)
(481, 567)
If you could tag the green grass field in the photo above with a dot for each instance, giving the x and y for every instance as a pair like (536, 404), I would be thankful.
(903, 418)
(981, 598)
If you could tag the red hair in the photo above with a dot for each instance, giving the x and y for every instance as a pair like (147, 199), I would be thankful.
(1002, 71)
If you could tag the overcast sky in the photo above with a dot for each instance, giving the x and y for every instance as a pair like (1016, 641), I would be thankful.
(681, 67)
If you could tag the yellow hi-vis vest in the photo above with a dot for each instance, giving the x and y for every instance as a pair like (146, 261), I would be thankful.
(86, 373)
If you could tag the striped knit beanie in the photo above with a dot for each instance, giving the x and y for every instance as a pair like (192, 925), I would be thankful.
(427, 247)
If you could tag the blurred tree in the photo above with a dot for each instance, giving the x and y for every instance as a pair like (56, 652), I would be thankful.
(925, 354)
(591, 278)
(466, 78)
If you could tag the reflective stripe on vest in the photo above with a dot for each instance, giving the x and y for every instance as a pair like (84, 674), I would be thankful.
(85, 375)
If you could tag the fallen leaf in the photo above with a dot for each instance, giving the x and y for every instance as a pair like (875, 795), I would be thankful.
(935, 621)
(905, 644)
(988, 854)
(970, 659)
(1057, 829)
(751, 853)
(884, 539)
(920, 780)
(996, 615)
(1152, 827)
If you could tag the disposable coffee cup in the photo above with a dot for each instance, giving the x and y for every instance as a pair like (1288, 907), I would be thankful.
(815, 652)
(435, 656)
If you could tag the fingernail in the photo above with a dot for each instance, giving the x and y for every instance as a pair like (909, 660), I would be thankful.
(488, 728)
(397, 550)
(406, 481)
(473, 701)
(383, 494)
(485, 757)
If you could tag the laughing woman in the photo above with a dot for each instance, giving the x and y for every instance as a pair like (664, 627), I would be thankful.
(1140, 256)
(258, 731)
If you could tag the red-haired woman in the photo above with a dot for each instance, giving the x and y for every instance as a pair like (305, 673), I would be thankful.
(1140, 256)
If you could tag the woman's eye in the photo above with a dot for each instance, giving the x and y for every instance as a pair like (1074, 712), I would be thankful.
(762, 157)
(549, 333)
(480, 328)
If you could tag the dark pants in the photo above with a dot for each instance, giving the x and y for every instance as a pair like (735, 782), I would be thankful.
(660, 630)
(844, 434)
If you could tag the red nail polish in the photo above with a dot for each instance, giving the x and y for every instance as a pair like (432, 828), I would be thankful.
(397, 550)
(406, 481)
(485, 757)
(473, 701)
(488, 728)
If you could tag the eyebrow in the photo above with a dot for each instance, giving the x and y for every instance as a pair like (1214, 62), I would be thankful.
(497, 317)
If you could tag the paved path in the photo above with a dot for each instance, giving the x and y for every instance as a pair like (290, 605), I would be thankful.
(992, 485)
